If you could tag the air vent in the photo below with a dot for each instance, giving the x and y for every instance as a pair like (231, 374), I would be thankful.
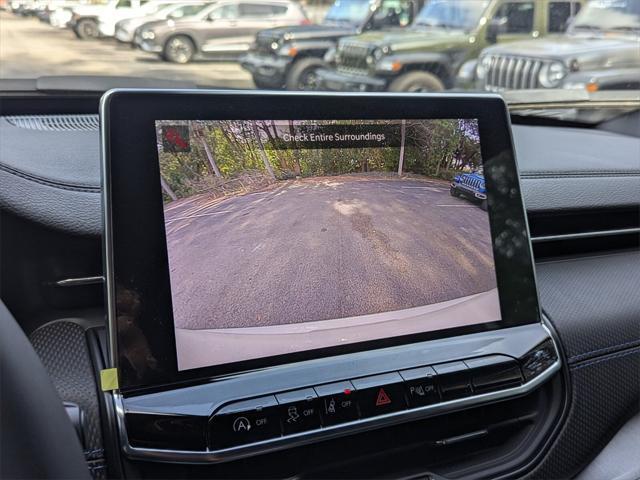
(55, 123)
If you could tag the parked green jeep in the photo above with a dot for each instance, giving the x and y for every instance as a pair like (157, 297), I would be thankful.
(442, 44)
(289, 56)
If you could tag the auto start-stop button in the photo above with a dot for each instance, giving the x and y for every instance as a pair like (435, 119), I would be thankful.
(245, 422)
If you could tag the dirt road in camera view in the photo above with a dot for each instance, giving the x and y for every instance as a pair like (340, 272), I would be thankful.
(324, 248)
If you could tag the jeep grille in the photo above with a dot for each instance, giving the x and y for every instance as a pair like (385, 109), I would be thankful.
(353, 58)
(472, 182)
(512, 73)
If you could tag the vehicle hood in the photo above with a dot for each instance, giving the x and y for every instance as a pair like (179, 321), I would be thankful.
(307, 32)
(135, 22)
(409, 38)
(565, 46)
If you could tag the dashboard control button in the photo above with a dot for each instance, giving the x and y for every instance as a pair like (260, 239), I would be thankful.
(337, 403)
(494, 372)
(299, 410)
(538, 360)
(454, 380)
(420, 385)
(380, 394)
(244, 422)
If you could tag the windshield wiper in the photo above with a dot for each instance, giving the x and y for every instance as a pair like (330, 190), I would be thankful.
(587, 27)
(625, 28)
(436, 25)
(340, 21)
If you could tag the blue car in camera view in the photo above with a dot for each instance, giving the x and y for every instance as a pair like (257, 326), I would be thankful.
(471, 186)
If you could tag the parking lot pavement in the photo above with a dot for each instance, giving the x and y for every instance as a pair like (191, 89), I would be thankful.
(324, 248)
(30, 49)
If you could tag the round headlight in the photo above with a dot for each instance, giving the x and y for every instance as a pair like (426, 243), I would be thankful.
(148, 35)
(483, 67)
(552, 74)
(370, 59)
(378, 53)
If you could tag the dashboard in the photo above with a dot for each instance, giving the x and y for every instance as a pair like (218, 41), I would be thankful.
(537, 399)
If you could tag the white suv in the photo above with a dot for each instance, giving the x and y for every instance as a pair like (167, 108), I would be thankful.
(125, 29)
(84, 18)
(108, 18)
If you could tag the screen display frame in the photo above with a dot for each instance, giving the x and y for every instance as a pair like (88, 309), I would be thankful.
(141, 328)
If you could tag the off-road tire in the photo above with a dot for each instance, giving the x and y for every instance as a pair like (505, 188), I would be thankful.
(417, 82)
(170, 53)
(86, 29)
(483, 205)
(453, 192)
(300, 72)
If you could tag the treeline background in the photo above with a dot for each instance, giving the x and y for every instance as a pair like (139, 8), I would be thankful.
(226, 156)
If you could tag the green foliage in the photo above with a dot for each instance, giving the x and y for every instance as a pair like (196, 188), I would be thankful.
(433, 148)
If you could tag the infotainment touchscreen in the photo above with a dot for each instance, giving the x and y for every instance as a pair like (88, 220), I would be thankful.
(291, 235)
(261, 230)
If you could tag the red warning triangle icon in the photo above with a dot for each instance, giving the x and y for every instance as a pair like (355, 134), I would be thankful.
(383, 398)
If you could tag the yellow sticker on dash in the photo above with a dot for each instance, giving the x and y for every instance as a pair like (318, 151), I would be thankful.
(109, 379)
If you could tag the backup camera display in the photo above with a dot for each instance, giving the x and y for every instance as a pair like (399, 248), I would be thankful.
(288, 236)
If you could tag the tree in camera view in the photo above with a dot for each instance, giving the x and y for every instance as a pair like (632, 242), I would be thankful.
(224, 157)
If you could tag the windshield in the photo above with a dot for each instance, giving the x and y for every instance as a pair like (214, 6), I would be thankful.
(545, 55)
(609, 15)
(463, 14)
(348, 11)
(184, 10)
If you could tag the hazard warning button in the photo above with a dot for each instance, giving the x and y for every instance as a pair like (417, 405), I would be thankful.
(380, 394)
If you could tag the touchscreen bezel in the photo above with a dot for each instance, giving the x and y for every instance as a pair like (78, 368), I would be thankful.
(135, 250)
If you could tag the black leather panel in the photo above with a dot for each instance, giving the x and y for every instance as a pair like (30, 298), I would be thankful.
(574, 169)
(606, 393)
(594, 306)
(51, 177)
(594, 303)
(68, 159)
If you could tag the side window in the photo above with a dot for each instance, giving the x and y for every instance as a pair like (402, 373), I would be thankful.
(560, 13)
(516, 17)
(123, 4)
(226, 12)
(185, 11)
(259, 10)
(393, 13)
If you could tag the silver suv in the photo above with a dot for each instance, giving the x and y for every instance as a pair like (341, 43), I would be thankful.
(224, 30)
